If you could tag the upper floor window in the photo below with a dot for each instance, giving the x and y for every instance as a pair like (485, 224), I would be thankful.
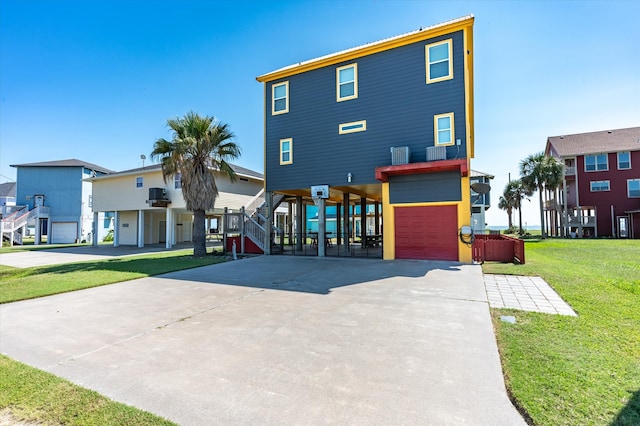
(624, 160)
(633, 188)
(443, 129)
(595, 163)
(355, 126)
(286, 151)
(139, 182)
(177, 180)
(600, 185)
(280, 98)
(347, 82)
(439, 61)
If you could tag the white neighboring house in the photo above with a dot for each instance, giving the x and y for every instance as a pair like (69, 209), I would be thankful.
(146, 210)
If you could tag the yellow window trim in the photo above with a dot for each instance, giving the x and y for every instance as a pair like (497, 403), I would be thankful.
(290, 151)
(355, 82)
(353, 127)
(435, 129)
(273, 100)
(430, 80)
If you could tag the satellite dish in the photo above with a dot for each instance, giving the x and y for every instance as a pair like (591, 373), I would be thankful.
(480, 188)
(143, 157)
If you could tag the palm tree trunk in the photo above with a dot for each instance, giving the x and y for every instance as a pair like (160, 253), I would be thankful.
(520, 220)
(199, 237)
(543, 230)
(510, 213)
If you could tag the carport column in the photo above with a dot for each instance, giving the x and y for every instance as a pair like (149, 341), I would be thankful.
(140, 228)
(299, 223)
(321, 228)
(168, 228)
(339, 224)
(363, 222)
(268, 232)
(94, 230)
(116, 229)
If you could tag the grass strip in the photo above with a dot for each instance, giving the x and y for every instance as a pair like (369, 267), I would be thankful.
(27, 283)
(36, 396)
(585, 370)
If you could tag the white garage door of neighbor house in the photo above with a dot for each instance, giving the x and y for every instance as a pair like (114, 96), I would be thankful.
(64, 232)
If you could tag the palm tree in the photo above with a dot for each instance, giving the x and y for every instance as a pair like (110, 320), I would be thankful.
(200, 146)
(539, 172)
(507, 202)
(516, 192)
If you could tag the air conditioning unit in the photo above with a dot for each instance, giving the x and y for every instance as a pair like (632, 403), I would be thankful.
(435, 153)
(399, 155)
(157, 194)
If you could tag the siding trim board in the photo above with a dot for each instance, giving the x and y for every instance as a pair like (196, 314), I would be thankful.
(383, 173)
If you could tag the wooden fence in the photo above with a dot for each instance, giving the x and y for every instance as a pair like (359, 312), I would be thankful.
(498, 248)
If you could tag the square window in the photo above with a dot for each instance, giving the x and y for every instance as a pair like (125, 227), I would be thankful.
(439, 61)
(443, 129)
(347, 82)
(633, 188)
(139, 182)
(600, 185)
(596, 163)
(280, 98)
(286, 151)
(624, 160)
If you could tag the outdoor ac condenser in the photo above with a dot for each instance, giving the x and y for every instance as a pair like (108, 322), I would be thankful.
(399, 155)
(435, 153)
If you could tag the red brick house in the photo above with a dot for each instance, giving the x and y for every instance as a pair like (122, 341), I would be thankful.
(600, 194)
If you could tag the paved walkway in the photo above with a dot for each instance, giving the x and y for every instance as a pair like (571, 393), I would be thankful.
(275, 340)
(524, 293)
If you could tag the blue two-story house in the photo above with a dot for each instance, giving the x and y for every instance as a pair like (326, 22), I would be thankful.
(389, 124)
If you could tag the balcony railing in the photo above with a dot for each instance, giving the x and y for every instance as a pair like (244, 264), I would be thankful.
(569, 171)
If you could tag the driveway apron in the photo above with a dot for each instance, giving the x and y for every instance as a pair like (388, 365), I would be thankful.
(278, 340)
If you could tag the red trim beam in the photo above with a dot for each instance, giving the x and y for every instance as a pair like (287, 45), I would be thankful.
(383, 173)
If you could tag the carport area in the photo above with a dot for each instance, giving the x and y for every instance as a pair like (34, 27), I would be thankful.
(279, 340)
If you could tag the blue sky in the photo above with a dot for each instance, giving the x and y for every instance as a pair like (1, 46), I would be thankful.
(97, 80)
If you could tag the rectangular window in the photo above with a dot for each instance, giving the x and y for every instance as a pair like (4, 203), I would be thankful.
(139, 182)
(177, 180)
(347, 82)
(90, 200)
(286, 151)
(624, 160)
(355, 126)
(443, 129)
(439, 61)
(595, 163)
(600, 185)
(633, 188)
(280, 98)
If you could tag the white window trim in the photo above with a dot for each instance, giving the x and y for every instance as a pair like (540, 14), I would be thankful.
(355, 82)
(177, 181)
(618, 158)
(629, 187)
(608, 183)
(290, 161)
(141, 181)
(436, 130)
(273, 98)
(358, 126)
(606, 156)
(430, 80)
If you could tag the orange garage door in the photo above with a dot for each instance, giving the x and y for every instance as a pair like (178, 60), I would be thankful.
(426, 232)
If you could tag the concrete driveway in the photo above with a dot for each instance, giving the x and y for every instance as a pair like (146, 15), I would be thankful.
(279, 340)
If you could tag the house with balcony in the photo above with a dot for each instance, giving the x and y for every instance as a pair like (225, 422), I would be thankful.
(144, 209)
(53, 198)
(389, 124)
(600, 192)
(480, 202)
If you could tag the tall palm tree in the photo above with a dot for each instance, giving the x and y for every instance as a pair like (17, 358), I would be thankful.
(515, 191)
(538, 172)
(199, 147)
(508, 203)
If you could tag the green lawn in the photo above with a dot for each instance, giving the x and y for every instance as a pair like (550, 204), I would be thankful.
(33, 395)
(585, 370)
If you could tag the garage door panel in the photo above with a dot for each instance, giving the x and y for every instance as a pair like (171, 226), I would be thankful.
(64, 232)
(426, 232)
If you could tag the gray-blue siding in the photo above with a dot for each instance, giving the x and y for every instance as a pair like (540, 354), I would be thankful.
(425, 188)
(394, 99)
(61, 186)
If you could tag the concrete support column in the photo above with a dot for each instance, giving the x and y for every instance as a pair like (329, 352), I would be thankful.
(116, 229)
(346, 220)
(339, 224)
(268, 235)
(94, 230)
(290, 223)
(363, 222)
(140, 228)
(299, 223)
(168, 229)
(376, 226)
(321, 227)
